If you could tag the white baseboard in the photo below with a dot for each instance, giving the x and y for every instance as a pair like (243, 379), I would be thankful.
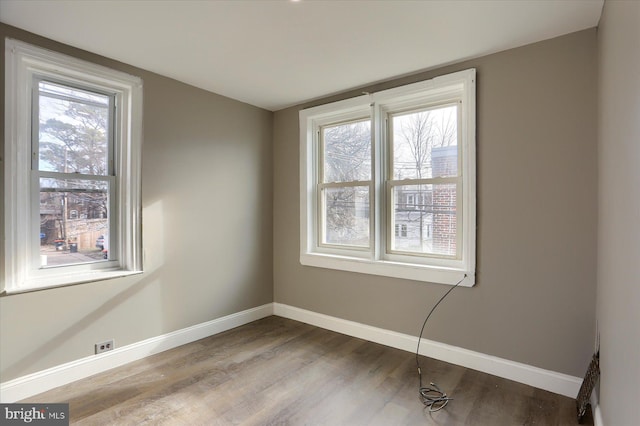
(552, 381)
(595, 410)
(33, 384)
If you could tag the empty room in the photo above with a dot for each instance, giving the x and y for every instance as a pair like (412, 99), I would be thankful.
(308, 212)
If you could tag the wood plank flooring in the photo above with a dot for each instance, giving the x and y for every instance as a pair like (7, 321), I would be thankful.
(281, 372)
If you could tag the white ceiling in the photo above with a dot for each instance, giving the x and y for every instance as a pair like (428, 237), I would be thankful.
(274, 54)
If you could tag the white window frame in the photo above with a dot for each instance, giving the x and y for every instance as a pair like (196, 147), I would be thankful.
(22, 272)
(458, 87)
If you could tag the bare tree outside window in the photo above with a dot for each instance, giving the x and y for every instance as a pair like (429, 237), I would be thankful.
(346, 183)
(73, 140)
(415, 135)
(424, 145)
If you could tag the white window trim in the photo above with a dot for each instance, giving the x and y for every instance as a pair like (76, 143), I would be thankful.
(23, 61)
(375, 261)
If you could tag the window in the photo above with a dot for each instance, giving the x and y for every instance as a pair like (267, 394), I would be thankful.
(401, 230)
(388, 182)
(72, 149)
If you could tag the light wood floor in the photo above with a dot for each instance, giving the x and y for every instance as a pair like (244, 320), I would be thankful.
(281, 372)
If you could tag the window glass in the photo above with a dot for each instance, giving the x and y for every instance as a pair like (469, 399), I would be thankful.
(418, 137)
(73, 130)
(430, 227)
(347, 152)
(74, 214)
(73, 138)
(346, 216)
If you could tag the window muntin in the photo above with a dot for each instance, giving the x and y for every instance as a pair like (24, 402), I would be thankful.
(41, 85)
(412, 233)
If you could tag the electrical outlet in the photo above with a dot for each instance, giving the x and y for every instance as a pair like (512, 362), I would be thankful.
(104, 346)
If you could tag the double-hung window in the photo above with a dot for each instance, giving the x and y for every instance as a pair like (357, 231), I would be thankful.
(388, 182)
(72, 183)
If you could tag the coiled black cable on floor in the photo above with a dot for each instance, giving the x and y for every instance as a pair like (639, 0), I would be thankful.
(431, 396)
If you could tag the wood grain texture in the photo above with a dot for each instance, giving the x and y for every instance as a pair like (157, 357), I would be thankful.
(277, 371)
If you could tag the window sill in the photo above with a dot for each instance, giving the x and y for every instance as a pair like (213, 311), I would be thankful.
(45, 283)
(408, 271)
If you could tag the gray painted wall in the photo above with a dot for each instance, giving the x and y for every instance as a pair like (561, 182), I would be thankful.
(207, 231)
(209, 241)
(534, 301)
(619, 208)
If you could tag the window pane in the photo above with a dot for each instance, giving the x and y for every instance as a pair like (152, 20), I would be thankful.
(74, 225)
(425, 143)
(346, 216)
(425, 219)
(347, 152)
(73, 133)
